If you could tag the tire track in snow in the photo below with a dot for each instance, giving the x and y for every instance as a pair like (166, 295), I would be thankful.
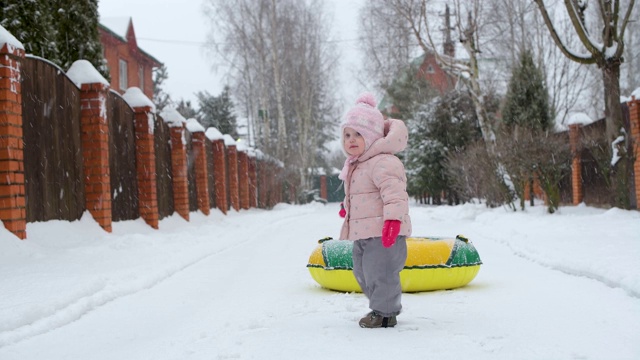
(578, 273)
(102, 295)
(567, 270)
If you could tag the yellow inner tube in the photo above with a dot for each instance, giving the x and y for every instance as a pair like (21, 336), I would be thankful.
(432, 264)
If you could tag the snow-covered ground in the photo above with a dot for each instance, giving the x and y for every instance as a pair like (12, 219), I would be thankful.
(562, 286)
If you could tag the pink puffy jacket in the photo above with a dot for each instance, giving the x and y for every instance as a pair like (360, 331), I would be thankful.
(376, 187)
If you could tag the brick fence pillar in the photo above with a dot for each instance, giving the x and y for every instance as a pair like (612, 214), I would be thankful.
(12, 191)
(253, 180)
(179, 170)
(200, 162)
(144, 129)
(292, 194)
(279, 185)
(232, 162)
(219, 172)
(243, 179)
(146, 165)
(576, 165)
(269, 171)
(634, 118)
(275, 190)
(323, 187)
(94, 138)
(263, 183)
(527, 190)
(94, 128)
(220, 175)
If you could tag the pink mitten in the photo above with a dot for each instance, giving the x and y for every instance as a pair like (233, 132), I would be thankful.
(390, 231)
(342, 211)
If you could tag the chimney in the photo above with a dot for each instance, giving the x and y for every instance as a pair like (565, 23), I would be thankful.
(448, 46)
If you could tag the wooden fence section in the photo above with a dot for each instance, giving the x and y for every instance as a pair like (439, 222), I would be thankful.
(124, 187)
(54, 182)
(164, 175)
(59, 141)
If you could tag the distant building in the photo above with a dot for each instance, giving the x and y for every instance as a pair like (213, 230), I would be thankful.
(430, 70)
(129, 65)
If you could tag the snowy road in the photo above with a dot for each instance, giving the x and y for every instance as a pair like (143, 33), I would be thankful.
(236, 287)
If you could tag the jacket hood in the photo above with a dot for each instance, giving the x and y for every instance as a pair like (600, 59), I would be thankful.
(394, 140)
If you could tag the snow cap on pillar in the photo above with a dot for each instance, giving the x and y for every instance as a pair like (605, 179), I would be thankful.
(172, 117)
(194, 126)
(213, 134)
(7, 38)
(228, 140)
(136, 98)
(242, 146)
(83, 72)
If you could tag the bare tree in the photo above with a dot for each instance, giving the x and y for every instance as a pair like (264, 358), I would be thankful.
(516, 26)
(277, 80)
(237, 39)
(281, 64)
(630, 73)
(602, 44)
(422, 20)
(607, 55)
(387, 41)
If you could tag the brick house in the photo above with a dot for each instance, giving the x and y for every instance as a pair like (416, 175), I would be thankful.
(433, 73)
(429, 70)
(129, 65)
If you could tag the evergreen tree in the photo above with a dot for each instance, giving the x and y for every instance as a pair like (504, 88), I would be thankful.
(445, 125)
(525, 139)
(423, 154)
(437, 124)
(408, 92)
(32, 24)
(527, 99)
(185, 109)
(160, 98)
(78, 36)
(217, 111)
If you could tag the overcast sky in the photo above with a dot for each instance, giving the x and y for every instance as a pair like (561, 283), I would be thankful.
(174, 31)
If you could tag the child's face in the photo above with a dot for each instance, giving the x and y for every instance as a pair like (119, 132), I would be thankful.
(353, 142)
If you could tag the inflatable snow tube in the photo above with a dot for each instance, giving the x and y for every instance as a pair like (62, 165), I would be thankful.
(432, 264)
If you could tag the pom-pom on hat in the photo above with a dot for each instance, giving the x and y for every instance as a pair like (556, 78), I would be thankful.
(365, 118)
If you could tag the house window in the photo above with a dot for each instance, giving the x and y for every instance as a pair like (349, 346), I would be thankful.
(430, 69)
(124, 84)
(141, 77)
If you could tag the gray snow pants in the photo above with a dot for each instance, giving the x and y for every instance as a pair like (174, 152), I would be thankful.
(377, 270)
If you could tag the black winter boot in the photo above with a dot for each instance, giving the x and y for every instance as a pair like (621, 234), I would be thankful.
(374, 320)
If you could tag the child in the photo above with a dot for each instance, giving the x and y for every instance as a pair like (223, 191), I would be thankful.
(376, 207)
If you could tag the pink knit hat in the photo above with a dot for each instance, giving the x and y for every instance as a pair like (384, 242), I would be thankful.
(365, 118)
